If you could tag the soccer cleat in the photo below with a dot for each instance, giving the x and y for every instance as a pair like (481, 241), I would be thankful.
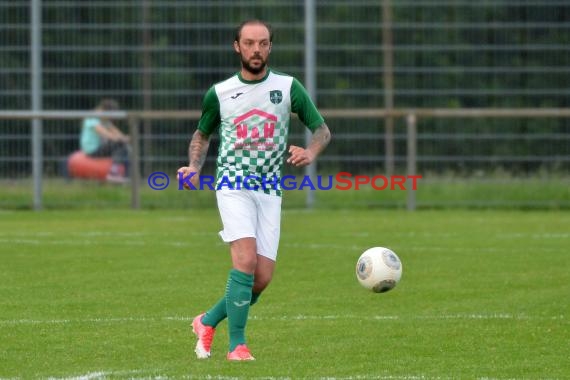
(241, 352)
(205, 335)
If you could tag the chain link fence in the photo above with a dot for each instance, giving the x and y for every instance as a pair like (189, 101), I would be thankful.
(163, 55)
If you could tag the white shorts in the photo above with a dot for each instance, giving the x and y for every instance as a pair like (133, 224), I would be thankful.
(248, 213)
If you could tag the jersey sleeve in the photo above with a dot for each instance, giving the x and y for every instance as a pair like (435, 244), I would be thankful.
(210, 119)
(303, 106)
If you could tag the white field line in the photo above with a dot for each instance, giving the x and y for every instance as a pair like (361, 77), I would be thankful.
(100, 375)
(82, 242)
(48, 234)
(304, 246)
(431, 235)
(154, 375)
(141, 239)
(97, 234)
(553, 235)
(298, 317)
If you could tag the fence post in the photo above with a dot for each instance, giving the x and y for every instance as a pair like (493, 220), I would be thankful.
(388, 58)
(135, 163)
(311, 83)
(411, 159)
(37, 104)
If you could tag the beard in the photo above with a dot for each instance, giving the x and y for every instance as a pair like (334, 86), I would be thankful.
(253, 69)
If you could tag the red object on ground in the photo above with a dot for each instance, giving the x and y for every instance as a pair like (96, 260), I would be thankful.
(80, 165)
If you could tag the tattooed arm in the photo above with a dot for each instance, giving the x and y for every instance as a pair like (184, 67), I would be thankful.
(197, 151)
(305, 156)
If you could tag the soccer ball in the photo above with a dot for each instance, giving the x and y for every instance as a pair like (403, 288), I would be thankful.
(379, 269)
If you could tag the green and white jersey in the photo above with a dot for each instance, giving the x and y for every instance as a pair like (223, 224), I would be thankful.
(253, 119)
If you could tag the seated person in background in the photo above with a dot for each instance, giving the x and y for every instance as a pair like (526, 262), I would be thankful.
(101, 138)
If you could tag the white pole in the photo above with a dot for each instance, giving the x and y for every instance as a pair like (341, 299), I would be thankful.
(310, 82)
(388, 49)
(412, 158)
(36, 88)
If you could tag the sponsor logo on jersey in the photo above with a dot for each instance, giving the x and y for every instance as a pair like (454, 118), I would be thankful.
(248, 136)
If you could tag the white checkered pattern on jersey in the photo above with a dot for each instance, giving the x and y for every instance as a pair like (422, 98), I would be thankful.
(253, 132)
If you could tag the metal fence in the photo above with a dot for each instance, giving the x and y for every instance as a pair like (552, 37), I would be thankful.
(481, 181)
(353, 56)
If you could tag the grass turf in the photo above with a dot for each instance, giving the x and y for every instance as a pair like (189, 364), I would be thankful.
(530, 193)
(110, 294)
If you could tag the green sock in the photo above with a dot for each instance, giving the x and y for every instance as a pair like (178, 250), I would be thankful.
(218, 312)
(238, 298)
(254, 298)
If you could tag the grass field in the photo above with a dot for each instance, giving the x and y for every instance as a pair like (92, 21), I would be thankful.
(550, 193)
(110, 294)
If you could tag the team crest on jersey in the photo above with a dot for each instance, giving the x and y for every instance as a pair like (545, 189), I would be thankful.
(276, 96)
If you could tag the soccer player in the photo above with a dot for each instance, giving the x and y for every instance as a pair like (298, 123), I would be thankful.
(251, 112)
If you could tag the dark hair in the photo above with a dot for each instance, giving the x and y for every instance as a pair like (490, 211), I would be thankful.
(250, 22)
(108, 105)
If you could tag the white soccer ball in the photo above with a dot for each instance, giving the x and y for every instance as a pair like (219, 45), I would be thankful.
(379, 269)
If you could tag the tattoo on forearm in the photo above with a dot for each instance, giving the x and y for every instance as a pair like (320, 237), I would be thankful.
(321, 139)
(198, 150)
